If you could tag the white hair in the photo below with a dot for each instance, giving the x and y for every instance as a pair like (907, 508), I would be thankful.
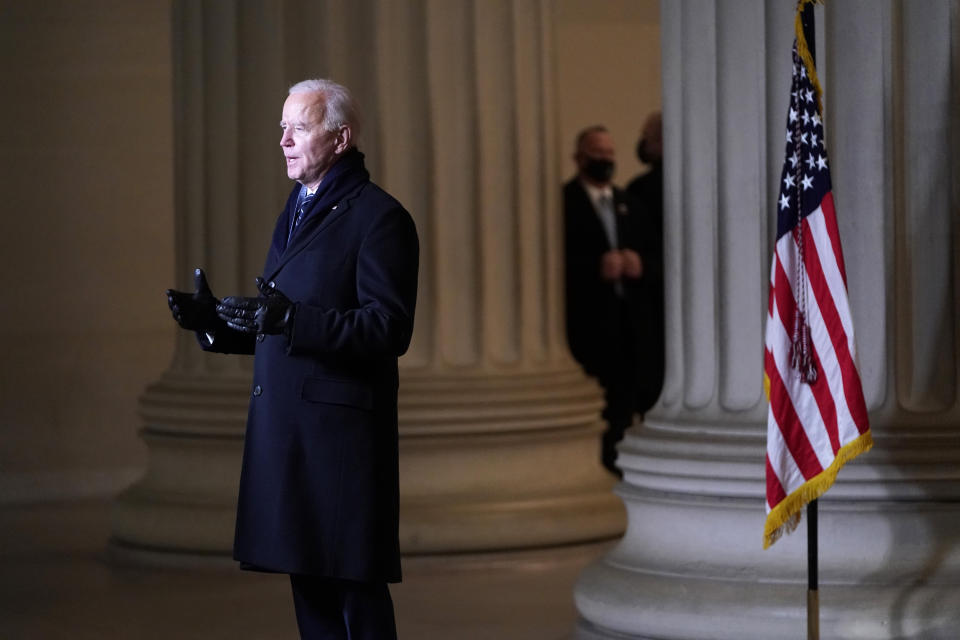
(339, 106)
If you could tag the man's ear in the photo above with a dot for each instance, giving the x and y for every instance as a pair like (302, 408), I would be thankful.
(344, 139)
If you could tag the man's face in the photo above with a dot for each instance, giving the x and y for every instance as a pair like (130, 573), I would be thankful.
(652, 142)
(309, 149)
(595, 146)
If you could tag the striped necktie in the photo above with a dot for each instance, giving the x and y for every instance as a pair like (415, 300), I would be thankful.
(305, 203)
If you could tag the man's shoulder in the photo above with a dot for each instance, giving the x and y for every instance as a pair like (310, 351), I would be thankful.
(376, 206)
(646, 184)
(573, 187)
(575, 196)
(372, 196)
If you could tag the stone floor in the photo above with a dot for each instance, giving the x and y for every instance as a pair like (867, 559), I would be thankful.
(58, 580)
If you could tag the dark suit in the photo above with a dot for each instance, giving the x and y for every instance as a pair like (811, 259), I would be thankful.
(603, 324)
(647, 190)
(319, 482)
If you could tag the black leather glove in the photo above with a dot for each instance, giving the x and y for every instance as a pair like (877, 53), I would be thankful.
(270, 313)
(195, 311)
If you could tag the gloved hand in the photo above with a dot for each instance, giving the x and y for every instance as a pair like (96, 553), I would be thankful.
(195, 311)
(270, 313)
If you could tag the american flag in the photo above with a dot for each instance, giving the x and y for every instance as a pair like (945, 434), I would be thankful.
(817, 419)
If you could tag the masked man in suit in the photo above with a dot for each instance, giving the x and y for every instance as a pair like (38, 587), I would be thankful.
(604, 274)
(319, 493)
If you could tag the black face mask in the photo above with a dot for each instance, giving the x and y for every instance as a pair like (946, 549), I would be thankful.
(598, 169)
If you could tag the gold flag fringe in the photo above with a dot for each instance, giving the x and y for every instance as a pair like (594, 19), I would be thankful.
(785, 517)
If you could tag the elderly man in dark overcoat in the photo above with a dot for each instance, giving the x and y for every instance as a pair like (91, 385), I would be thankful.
(319, 483)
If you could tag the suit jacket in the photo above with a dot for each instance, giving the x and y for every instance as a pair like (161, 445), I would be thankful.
(319, 481)
(647, 190)
(599, 321)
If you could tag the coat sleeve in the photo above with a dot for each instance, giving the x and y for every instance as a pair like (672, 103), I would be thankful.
(226, 340)
(386, 284)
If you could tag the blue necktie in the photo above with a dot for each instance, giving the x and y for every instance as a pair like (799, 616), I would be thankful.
(305, 203)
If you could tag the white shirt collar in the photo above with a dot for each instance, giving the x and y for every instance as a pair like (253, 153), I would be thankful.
(596, 193)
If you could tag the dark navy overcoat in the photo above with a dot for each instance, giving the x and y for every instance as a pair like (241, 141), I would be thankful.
(319, 481)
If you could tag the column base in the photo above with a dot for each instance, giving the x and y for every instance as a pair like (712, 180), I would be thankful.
(186, 501)
(440, 527)
(631, 604)
(487, 462)
(503, 461)
(691, 565)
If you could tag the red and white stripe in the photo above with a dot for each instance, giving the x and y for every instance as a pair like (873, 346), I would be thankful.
(809, 424)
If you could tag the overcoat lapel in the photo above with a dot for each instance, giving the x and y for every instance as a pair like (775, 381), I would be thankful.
(347, 178)
(621, 211)
(280, 232)
(312, 226)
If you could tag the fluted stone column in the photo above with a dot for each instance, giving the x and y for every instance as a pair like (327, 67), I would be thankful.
(498, 426)
(499, 429)
(691, 563)
(227, 193)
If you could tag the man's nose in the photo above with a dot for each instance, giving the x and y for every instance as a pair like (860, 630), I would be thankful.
(286, 139)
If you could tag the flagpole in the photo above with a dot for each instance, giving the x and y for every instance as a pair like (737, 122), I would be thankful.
(813, 591)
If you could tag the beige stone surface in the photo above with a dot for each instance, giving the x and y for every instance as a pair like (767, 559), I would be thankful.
(86, 243)
(608, 72)
(59, 582)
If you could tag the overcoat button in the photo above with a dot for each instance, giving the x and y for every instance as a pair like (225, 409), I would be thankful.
(257, 390)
